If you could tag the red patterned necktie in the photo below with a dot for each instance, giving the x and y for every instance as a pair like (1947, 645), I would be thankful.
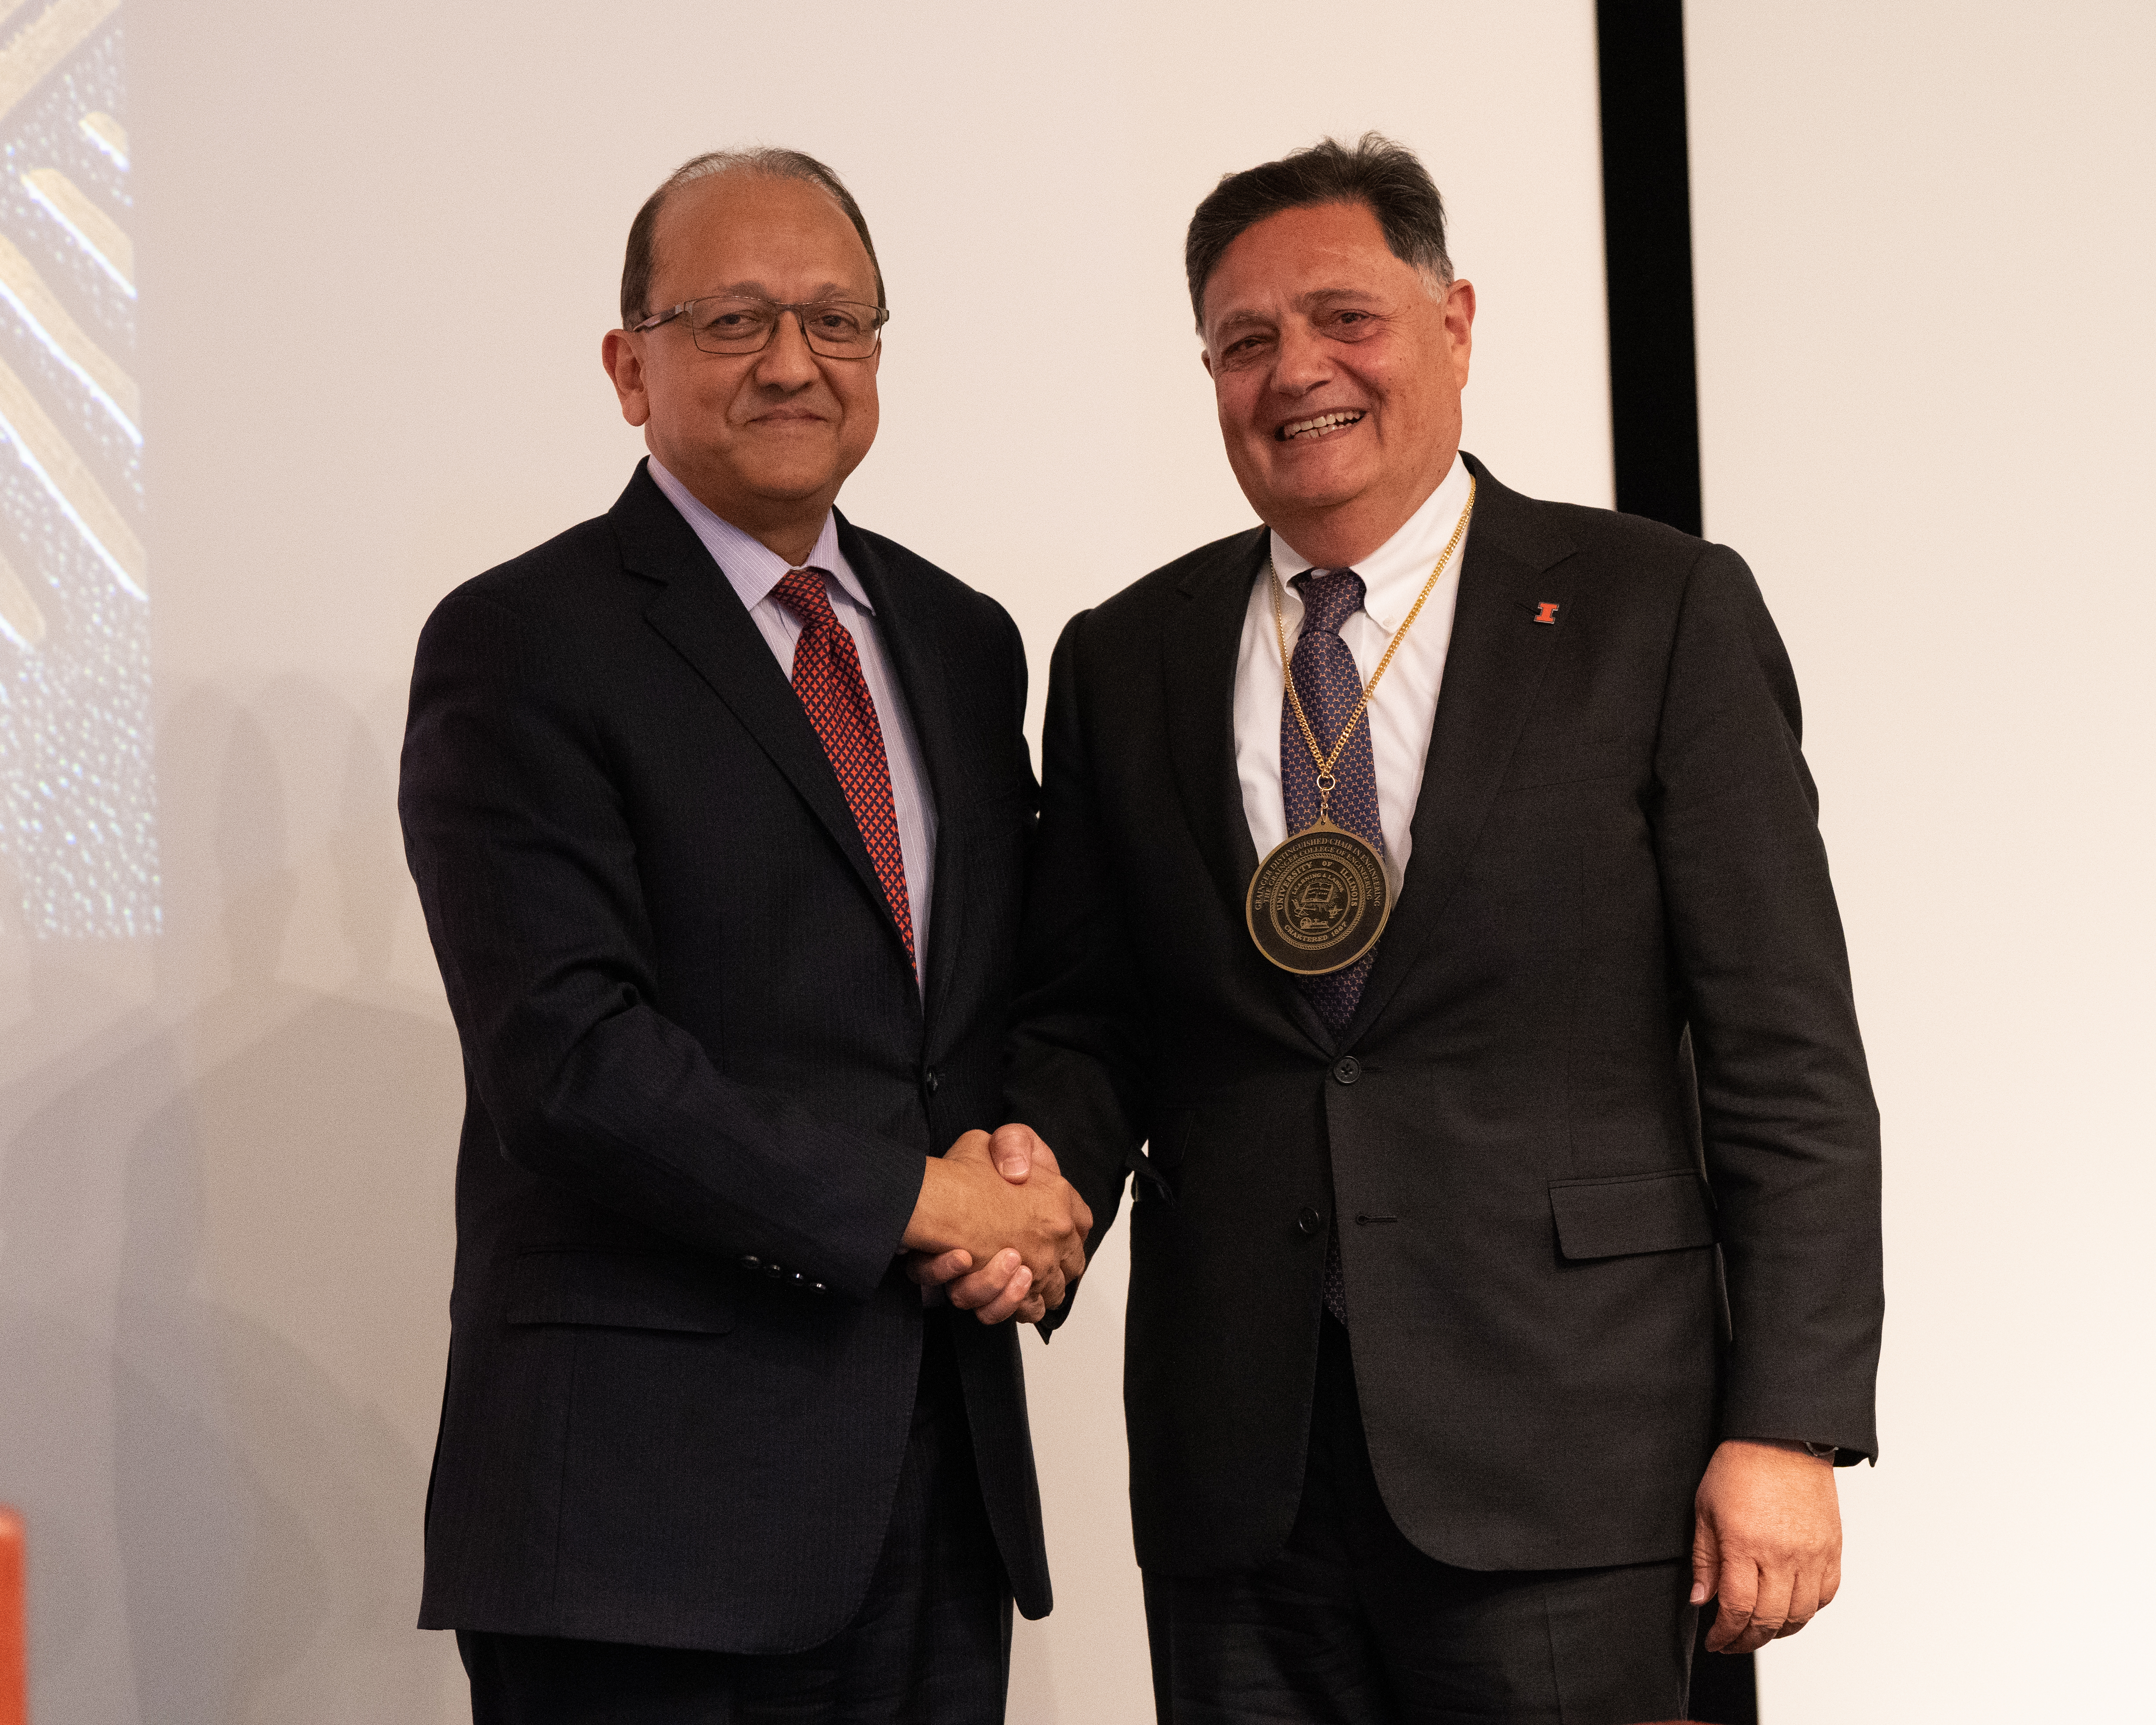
(827, 676)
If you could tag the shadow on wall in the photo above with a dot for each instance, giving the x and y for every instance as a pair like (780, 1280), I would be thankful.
(224, 1237)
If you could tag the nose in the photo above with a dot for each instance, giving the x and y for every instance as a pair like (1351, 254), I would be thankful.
(786, 361)
(1302, 360)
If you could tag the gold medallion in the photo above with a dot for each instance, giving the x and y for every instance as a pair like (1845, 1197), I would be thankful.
(1319, 901)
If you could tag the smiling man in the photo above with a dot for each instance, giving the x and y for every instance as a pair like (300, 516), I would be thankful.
(718, 807)
(1430, 883)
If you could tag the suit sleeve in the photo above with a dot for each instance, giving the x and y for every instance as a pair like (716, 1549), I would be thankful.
(1790, 1132)
(1074, 1074)
(527, 869)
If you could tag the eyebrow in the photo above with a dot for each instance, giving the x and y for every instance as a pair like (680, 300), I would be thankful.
(758, 291)
(1316, 298)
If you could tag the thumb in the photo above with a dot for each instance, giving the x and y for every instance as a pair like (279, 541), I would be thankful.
(1706, 1561)
(1011, 1150)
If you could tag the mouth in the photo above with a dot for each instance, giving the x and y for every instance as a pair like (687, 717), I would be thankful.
(1319, 426)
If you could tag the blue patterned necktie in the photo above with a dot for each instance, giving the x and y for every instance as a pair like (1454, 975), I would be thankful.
(1329, 685)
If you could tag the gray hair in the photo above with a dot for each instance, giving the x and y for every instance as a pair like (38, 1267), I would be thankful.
(1384, 177)
(765, 160)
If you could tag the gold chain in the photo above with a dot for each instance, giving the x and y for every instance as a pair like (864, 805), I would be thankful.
(1325, 779)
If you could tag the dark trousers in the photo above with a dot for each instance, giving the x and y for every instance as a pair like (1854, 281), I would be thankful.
(1351, 1624)
(931, 1645)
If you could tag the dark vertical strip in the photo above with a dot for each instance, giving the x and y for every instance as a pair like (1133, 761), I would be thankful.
(1646, 227)
(1725, 1688)
(1653, 404)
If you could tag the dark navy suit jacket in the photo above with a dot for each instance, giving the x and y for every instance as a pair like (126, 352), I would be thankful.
(701, 1082)
(1606, 1064)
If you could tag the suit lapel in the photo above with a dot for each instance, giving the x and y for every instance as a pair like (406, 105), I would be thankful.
(1493, 670)
(1200, 666)
(1198, 663)
(700, 615)
(917, 662)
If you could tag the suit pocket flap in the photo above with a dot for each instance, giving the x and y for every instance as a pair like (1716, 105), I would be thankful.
(624, 1291)
(1663, 1212)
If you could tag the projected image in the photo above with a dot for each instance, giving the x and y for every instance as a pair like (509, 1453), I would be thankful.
(78, 828)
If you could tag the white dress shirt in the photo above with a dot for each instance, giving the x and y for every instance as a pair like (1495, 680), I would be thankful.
(753, 570)
(1405, 708)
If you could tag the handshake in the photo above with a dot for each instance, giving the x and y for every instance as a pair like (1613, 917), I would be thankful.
(998, 1226)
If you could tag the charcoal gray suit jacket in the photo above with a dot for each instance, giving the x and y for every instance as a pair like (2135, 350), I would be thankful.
(701, 1083)
(1606, 1064)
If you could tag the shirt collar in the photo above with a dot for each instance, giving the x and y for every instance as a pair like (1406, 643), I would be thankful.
(752, 567)
(1394, 574)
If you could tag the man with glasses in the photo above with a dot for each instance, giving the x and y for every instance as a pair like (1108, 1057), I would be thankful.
(718, 807)
(1430, 884)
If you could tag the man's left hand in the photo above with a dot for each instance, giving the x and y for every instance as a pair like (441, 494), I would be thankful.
(1767, 1540)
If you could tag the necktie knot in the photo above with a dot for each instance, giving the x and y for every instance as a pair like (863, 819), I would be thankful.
(801, 591)
(1329, 599)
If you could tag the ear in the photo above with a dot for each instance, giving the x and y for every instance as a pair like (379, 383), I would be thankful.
(1458, 311)
(622, 356)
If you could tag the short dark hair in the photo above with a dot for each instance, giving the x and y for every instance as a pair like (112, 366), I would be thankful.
(1384, 177)
(770, 163)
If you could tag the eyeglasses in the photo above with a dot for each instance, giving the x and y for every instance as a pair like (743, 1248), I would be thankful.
(729, 323)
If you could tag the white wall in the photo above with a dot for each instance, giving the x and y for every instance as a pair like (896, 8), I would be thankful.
(1924, 250)
(377, 245)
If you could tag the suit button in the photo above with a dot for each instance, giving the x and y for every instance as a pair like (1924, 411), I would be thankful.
(1309, 1222)
(774, 1271)
(932, 1081)
(751, 1263)
(1348, 1070)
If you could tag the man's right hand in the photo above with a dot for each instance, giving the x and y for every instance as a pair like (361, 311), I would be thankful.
(973, 1211)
